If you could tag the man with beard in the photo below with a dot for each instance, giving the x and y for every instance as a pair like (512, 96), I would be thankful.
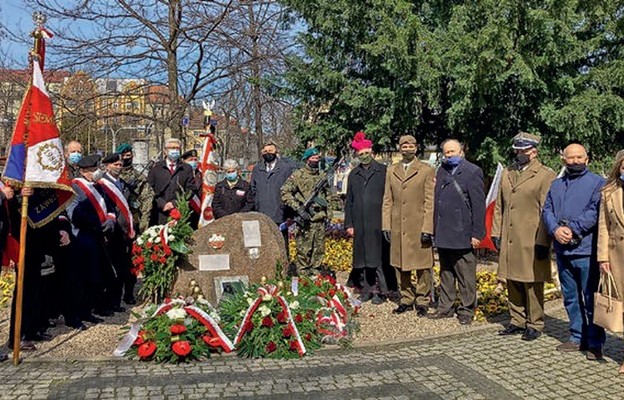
(522, 238)
(365, 190)
(407, 223)
(311, 236)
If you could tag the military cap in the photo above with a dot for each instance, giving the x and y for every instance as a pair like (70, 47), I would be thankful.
(311, 151)
(111, 158)
(123, 148)
(525, 141)
(89, 161)
(407, 139)
(189, 154)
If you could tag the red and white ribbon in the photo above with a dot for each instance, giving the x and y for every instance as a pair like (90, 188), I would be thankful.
(120, 201)
(212, 326)
(94, 197)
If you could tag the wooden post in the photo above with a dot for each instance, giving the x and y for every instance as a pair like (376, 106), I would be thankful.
(17, 337)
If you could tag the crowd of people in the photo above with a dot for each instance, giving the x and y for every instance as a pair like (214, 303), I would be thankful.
(397, 215)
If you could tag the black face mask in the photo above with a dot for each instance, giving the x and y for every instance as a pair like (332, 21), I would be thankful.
(575, 169)
(522, 159)
(127, 162)
(269, 157)
(313, 164)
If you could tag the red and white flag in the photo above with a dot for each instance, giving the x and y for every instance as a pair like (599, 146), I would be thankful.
(36, 154)
(490, 204)
(209, 167)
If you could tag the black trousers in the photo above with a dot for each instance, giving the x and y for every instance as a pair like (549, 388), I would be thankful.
(458, 266)
(31, 301)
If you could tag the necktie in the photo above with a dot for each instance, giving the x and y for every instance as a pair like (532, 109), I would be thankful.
(172, 168)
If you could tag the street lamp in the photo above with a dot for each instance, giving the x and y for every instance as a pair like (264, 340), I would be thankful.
(114, 135)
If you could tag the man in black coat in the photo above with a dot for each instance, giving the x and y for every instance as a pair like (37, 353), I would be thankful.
(365, 191)
(459, 226)
(267, 179)
(168, 178)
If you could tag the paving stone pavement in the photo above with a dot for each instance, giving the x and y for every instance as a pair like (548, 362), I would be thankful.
(476, 364)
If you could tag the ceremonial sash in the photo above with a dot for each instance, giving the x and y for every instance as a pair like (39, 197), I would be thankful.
(120, 201)
(195, 203)
(95, 198)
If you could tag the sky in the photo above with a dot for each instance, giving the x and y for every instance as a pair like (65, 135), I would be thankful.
(15, 16)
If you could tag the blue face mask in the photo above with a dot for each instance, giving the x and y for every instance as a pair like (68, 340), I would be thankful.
(74, 158)
(173, 155)
(231, 176)
(452, 161)
(193, 164)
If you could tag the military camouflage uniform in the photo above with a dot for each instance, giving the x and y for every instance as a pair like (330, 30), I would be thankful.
(310, 238)
(140, 198)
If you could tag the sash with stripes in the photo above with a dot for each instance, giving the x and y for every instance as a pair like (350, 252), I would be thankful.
(96, 199)
(120, 201)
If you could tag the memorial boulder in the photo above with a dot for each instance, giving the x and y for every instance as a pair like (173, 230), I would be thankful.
(231, 253)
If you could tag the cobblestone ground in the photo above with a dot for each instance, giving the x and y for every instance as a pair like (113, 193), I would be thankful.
(471, 365)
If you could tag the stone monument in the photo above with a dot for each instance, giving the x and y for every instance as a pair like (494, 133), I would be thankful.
(231, 253)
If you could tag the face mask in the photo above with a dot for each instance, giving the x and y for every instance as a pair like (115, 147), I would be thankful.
(127, 162)
(173, 155)
(231, 176)
(575, 169)
(97, 175)
(193, 164)
(269, 157)
(522, 159)
(114, 171)
(452, 161)
(365, 158)
(408, 156)
(74, 158)
(313, 164)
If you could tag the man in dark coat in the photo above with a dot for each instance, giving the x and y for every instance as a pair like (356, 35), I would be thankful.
(191, 158)
(365, 190)
(459, 227)
(233, 194)
(267, 179)
(168, 178)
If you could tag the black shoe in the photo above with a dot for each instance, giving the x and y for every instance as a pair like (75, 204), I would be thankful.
(511, 330)
(3, 357)
(119, 309)
(364, 297)
(130, 301)
(402, 308)
(530, 334)
(377, 300)
(103, 313)
(439, 315)
(594, 354)
(93, 319)
(421, 311)
(465, 319)
(79, 327)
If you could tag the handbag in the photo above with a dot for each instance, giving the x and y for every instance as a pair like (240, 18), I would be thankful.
(608, 310)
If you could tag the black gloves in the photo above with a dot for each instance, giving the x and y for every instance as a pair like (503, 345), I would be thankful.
(426, 239)
(541, 252)
(496, 241)
(386, 235)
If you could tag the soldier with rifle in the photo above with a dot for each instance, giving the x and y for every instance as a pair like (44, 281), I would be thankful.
(306, 191)
(141, 194)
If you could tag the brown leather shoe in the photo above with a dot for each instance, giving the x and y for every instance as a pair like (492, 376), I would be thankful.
(569, 347)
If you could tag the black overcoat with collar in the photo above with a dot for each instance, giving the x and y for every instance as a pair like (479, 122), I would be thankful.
(457, 219)
(167, 186)
(365, 192)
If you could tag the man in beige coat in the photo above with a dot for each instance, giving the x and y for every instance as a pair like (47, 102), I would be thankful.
(521, 237)
(407, 223)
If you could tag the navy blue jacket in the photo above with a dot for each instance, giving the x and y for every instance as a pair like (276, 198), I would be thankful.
(456, 220)
(577, 200)
(266, 188)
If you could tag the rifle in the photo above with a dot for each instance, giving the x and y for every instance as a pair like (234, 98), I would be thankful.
(304, 214)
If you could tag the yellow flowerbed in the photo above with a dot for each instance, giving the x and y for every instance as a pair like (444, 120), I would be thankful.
(7, 282)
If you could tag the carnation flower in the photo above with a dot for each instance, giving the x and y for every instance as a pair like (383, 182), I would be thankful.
(181, 348)
(294, 305)
(176, 313)
(177, 329)
(267, 297)
(249, 301)
(264, 311)
(146, 350)
(170, 238)
(281, 317)
(298, 318)
(268, 322)
(287, 332)
(175, 214)
(308, 337)
(211, 341)
(271, 347)
(294, 345)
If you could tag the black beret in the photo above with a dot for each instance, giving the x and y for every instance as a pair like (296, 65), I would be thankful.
(189, 154)
(111, 158)
(89, 161)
